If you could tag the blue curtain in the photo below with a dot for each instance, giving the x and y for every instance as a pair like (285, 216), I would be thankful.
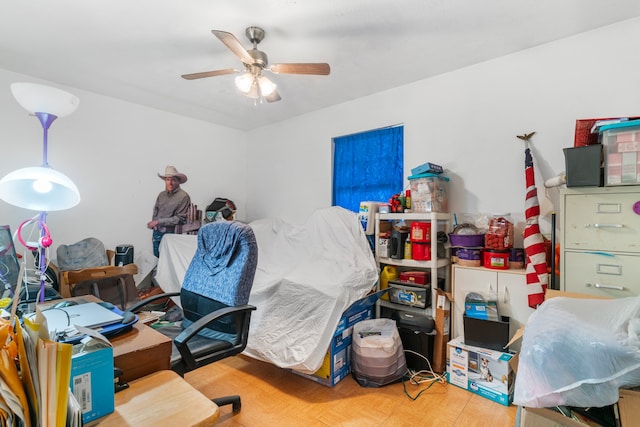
(368, 166)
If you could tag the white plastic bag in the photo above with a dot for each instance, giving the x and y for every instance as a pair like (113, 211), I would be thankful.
(578, 352)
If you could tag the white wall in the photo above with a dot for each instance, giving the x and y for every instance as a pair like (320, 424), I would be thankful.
(466, 121)
(113, 150)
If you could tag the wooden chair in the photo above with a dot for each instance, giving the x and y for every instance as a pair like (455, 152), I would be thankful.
(69, 278)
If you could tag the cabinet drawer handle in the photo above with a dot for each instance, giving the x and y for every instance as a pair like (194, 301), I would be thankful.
(608, 225)
(599, 286)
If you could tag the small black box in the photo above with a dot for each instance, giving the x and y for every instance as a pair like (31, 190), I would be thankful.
(491, 334)
(583, 166)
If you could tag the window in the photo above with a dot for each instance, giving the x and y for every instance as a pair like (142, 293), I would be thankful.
(367, 166)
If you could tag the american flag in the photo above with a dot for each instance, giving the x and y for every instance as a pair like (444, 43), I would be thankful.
(536, 272)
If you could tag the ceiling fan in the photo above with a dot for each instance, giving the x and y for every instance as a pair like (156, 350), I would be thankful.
(252, 83)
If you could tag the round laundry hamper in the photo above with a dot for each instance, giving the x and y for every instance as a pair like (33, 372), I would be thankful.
(377, 355)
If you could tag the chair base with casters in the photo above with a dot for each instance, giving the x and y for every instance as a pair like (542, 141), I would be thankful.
(191, 350)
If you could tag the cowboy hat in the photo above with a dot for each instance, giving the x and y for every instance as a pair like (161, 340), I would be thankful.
(171, 171)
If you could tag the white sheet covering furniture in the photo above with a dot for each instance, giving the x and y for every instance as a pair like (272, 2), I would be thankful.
(307, 276)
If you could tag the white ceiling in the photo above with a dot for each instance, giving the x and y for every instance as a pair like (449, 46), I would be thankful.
(136, 50)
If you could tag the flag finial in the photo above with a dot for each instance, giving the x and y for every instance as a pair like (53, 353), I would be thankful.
(526, 136)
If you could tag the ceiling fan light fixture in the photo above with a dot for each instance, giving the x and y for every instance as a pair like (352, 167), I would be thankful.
(254, 92)
(267, 87)
(244, 82)
(251, 83)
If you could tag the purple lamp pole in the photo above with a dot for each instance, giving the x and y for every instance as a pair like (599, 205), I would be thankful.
(41, 188)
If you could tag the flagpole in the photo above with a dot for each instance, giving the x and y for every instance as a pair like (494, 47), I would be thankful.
(537, 269)
(552, 278)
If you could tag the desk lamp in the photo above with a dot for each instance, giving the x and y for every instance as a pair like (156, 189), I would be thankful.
(41, 188)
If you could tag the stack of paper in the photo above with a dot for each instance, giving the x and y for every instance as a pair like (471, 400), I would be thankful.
(35, 391)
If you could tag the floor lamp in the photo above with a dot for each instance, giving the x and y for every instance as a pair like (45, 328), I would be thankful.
(40, 188)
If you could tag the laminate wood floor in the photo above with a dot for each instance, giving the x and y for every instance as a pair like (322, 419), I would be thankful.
(272, 396)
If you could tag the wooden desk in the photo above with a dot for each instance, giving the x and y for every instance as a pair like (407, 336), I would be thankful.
(160, 399)
(138, 352)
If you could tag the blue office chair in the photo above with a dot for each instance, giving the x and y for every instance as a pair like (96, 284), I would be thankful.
(214, 298)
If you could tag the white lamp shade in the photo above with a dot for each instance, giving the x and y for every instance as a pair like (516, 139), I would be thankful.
(36, 98)
(244, 82)
(39, 188)
(267, 87)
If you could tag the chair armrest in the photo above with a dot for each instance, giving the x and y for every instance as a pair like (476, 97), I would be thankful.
(182, 340)
(201, 323)
(139, 305)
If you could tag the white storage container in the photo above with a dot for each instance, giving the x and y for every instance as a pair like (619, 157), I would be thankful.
(429, 193)
(622, 152)
(377, 352)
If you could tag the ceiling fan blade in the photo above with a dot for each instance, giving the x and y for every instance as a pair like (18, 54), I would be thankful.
(234, 45)
(273, 96)
(322, 69)
(204, 74)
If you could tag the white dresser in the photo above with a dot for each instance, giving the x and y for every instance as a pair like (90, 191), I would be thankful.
(600, 241)
(507, 287)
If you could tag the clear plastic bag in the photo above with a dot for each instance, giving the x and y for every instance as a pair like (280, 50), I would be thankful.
(579, 352)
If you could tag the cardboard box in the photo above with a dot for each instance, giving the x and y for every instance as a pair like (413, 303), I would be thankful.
(336, 364)
(583, 135)
(443, 325)
(629, 408)
(383, 247)
(427, 168)
(628, 411)
(487, 373)
(481, 309)
(543, 417)
(92, 377)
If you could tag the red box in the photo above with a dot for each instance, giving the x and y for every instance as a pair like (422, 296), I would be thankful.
(417, 277)
(583, 135)
(421, 251)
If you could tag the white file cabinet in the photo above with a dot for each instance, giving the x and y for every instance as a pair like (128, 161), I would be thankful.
(600, 241)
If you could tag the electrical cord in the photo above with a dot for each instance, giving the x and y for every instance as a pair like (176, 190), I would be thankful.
(421, 377)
